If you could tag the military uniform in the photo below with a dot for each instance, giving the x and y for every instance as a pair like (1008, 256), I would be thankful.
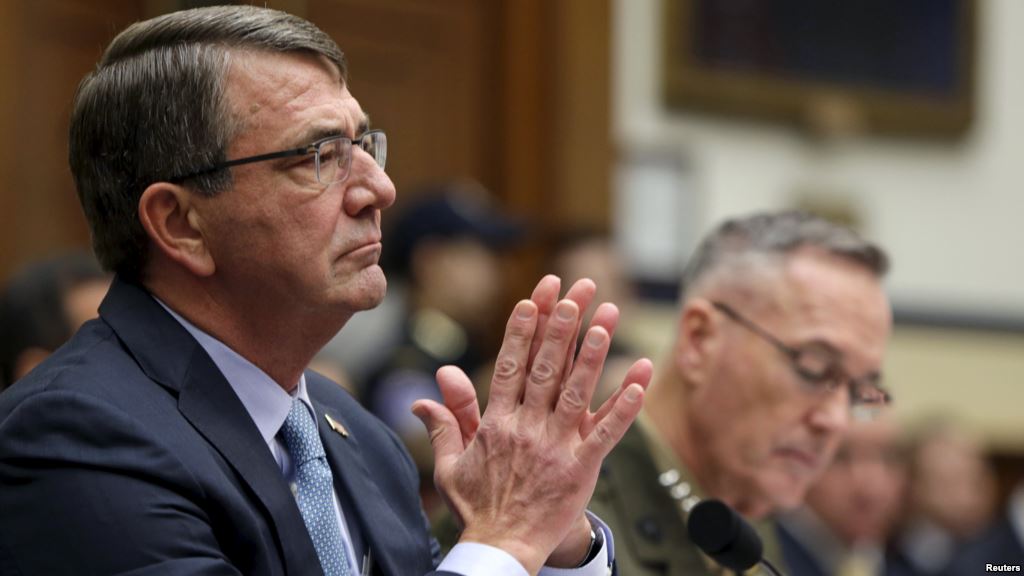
(643, 493)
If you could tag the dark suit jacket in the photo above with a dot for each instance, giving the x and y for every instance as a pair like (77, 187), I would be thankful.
(128, 452)
(801, 558)
(998, 545)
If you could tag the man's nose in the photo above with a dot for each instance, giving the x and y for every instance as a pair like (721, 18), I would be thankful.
(831, 414)
(368, 185)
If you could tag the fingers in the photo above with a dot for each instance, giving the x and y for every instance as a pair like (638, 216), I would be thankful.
(582, 293)
(545, 376)
(513, 358)
(607, 317)
(546, 358)
(640, 373)
(444, 432)
(546, 296)
(609, 430)
(460, 399)
(574, 398)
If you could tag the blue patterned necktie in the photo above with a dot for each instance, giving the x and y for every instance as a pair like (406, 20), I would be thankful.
(315, 489)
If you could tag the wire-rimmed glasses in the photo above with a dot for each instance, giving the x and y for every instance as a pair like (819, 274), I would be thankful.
(333, 156)
(818, 367)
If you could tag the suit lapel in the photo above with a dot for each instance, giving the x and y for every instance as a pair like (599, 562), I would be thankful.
(209, 403)
(170, 356)
(384, 533)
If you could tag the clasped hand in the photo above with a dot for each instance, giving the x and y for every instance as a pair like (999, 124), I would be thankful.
(520, 476)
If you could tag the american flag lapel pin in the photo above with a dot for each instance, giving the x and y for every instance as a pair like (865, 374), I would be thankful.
(336, 426)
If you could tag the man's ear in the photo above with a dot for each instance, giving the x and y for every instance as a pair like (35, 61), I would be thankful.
(697, 340)
(175, 227)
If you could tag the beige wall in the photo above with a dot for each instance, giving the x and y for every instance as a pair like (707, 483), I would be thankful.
(977, 377)
(948, 212)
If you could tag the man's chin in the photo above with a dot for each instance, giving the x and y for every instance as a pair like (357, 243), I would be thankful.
(359, 293)
(374, 288)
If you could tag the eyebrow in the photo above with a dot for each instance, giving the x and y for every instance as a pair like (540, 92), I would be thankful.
(874, 375)
(822, 344)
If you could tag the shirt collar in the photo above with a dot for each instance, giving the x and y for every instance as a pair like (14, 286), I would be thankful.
(267, 403)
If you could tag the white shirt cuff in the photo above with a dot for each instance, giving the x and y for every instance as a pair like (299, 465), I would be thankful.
(475, 559)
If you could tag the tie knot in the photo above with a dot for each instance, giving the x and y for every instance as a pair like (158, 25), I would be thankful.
(300, 434)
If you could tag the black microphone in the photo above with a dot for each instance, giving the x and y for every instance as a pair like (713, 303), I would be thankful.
(725, 536)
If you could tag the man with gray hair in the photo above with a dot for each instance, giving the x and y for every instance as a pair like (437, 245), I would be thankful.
(234, 185)
(780, 337)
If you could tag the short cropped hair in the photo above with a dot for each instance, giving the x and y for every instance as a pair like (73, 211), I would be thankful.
(155, 108)
(779, 234)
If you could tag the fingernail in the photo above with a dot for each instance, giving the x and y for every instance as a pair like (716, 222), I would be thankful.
(632, 393)
(595, 338)
(524, 311)
(565, 311)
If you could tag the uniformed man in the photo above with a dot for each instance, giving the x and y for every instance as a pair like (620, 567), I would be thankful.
(780, 337)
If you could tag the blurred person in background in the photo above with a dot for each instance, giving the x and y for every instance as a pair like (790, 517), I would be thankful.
(781, 333)
(42, 305)
(1001, 544)
(446, 245)
(851, 511)
(950, 496)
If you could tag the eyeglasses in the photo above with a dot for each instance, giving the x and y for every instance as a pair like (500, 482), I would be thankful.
(818, 367)
(333, 156)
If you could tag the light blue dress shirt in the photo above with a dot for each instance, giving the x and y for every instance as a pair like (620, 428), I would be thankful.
(268, 406)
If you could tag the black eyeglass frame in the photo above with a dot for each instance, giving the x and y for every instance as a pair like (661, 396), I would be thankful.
(311, 148)
(832, 377)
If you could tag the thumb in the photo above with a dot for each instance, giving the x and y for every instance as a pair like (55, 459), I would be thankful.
(460, 398)
(443, 429)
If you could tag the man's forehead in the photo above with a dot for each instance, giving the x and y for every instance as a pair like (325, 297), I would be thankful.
(292, 93)
(841, 304)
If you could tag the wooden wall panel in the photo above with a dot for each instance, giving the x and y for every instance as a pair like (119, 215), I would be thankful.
(424, 72)
(9, 36)
(582, 102)
(54, 44)
(556, 110)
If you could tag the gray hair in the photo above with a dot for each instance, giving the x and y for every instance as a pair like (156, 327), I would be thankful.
(779, 234)
(155, 109)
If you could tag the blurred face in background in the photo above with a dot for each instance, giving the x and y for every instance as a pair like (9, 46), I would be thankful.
(859, 495)
(952, 484)
(461, 277)
(80, 303)
(595, 258)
